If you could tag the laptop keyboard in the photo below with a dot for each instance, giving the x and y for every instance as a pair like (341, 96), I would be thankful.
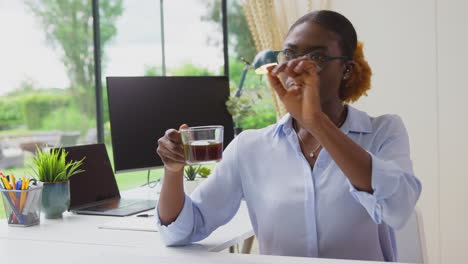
(125, 203)
(135, 207)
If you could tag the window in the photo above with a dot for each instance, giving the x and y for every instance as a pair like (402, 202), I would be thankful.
(136, 50)
(193, 41)
(47, 85)
(47, 73)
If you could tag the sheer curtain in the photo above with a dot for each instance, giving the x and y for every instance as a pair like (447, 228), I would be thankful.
(269, 21)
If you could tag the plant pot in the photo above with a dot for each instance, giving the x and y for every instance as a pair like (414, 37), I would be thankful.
(190, 186)
(55, 199)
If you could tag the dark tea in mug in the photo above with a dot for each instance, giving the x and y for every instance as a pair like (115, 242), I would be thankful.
(202, 151)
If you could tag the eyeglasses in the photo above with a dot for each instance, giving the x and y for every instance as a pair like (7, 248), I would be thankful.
(319, 59)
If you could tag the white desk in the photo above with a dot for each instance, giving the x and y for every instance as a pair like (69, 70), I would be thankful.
(38, 252)
(83, 229)
(77, 239)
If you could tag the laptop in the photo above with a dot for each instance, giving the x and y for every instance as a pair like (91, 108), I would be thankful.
(95, 191)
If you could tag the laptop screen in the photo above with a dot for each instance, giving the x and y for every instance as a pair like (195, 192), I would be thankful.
(97, 182)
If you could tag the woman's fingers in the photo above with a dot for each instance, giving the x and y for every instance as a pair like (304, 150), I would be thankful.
(173, 135)
(305, 66)
(291, 66)
(171, 152)
(306, 73)
(295, 91)
(177, 149)
(275, 80)
(275, 70)
(298, 69)
(172, 141)
(276, 84)
(171, 149)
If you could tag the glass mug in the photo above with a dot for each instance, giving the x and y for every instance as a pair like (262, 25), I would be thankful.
(202, 144)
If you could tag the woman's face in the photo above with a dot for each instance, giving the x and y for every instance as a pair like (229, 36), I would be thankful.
(310, 37)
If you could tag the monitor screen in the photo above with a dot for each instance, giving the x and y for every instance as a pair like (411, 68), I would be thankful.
(141, 109)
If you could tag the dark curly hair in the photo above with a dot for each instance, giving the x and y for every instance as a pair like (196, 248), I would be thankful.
(360, 80)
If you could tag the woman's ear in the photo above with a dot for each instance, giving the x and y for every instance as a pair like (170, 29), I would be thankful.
(348, 69)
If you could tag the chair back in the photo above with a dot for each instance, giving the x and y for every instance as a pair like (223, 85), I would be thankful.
(411, 241)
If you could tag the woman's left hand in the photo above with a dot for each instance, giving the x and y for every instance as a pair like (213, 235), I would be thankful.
(301, 96)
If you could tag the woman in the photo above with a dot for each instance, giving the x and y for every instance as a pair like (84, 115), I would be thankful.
(326, 181)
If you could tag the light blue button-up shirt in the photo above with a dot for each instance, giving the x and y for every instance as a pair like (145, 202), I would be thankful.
(297, 210)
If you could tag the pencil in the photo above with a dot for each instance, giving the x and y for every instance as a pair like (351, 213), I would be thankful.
(8, 187)
(23, 195)
(13, 181)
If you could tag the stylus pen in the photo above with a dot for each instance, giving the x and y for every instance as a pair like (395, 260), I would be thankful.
(145, 215)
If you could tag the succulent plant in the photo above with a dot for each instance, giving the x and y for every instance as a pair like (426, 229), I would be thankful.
(204, 172)
(191, 172)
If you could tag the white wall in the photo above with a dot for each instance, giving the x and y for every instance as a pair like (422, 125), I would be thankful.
(452, 47)
(418, 51)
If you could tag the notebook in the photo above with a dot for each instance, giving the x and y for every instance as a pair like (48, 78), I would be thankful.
(95, 191)
(133, 223)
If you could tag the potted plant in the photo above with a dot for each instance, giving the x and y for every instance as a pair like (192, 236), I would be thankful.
(191, 182)
(204, 172)
(52, 169)
(239, 108)
(194, 176)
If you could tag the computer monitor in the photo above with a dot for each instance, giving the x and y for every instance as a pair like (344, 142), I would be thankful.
(141, 109)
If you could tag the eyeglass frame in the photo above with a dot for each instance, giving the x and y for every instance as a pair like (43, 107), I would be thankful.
(320, 65)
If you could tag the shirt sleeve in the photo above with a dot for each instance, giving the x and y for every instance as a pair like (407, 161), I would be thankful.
(213, 203)
(395, 188)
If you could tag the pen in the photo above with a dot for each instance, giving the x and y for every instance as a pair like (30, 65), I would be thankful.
(145, 215)
(34, 181)
(18, 185)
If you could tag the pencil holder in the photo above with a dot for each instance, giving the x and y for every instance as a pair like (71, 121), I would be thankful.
(22, 208)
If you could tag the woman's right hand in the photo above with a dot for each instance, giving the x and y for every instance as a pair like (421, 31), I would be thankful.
(171, 150)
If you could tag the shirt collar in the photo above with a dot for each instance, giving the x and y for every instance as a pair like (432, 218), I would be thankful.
(284, 125)
(356, 121)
